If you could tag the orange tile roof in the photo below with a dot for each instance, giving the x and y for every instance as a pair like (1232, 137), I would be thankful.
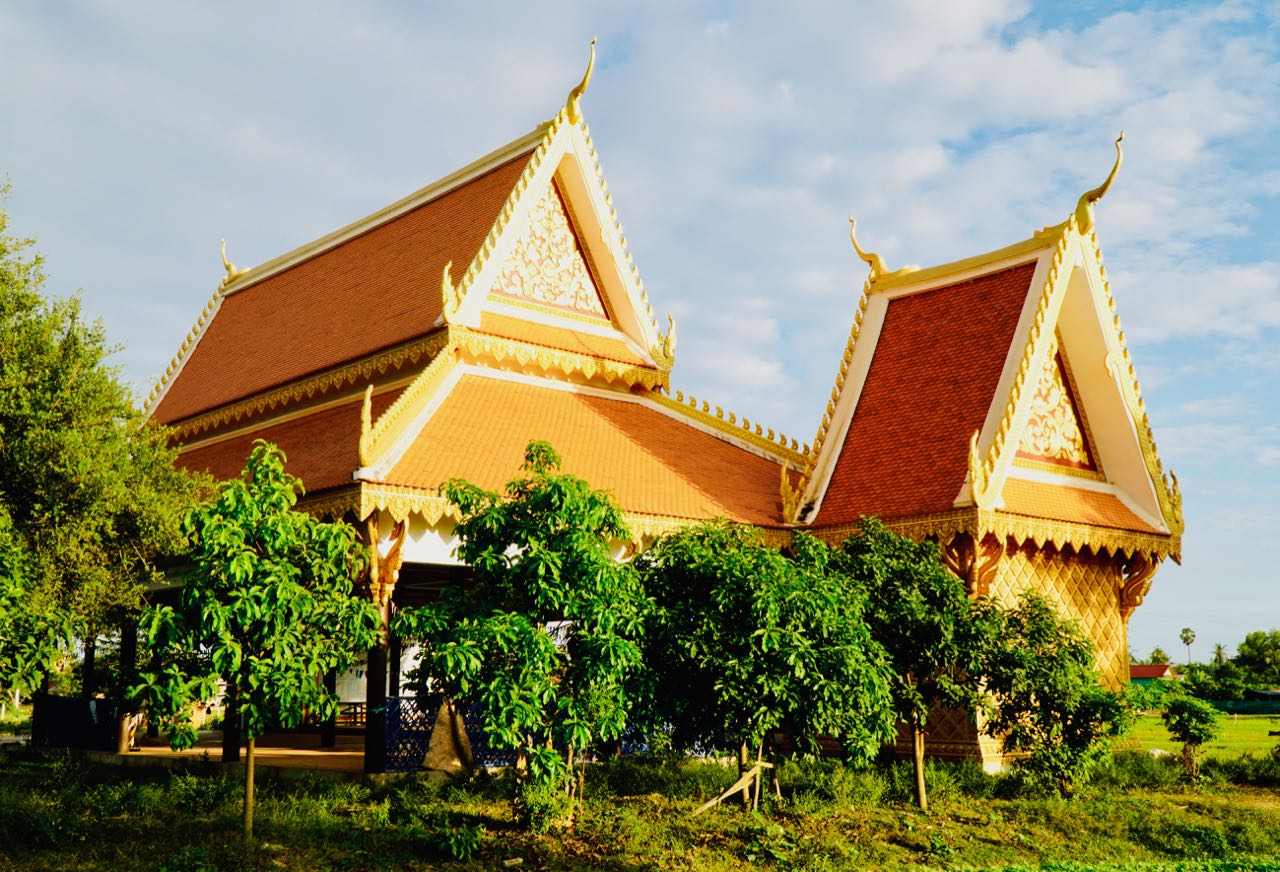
(322, 448)
(932, 378)
(563, 338)
(377, 290)
(1076, 505)
(653, 464)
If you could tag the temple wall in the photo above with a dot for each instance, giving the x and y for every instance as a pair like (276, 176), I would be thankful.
(1084, 587)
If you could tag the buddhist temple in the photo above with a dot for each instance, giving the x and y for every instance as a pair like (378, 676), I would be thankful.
(989, 404)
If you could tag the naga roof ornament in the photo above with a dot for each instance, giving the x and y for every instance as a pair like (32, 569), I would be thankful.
(1084, 208)
(573, 105)
(233, 272)
(873, 260)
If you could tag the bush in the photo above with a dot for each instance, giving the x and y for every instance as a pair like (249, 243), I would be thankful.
(1259, 770)
(673, 777)
(832, 782)
(1137, 770)
(1192, 722)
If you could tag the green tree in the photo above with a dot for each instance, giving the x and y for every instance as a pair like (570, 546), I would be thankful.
(89, 487)
(1192, 722)
(746, 641)
(34, 634)
(1219, 653)
(542, 561)
(1187, 636)
(268, 612)
(1259, 657)
(924, 619)
(1044, 696)
(1157, 656)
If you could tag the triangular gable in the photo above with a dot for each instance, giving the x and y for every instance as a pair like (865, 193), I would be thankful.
(548, 266)
(1056, 435)
(1066, 315)
(560, 222)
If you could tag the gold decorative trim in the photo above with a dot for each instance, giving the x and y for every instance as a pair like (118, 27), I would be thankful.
(664, 353)
(1168, 493)
(381, 434)
(541, 360)
(842, 373)
(1138, 573)
(1055, 469)
(553, 311)
(1039, 340)
(232, 272)
(944, 526)
(973, 560)
(778, 445)
(1084, 208)
(603, 187)
(307, 388)
(401, 502)
(189, 343)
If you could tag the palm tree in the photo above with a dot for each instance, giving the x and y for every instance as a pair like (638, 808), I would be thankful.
(1219, 653)
(1187, 636)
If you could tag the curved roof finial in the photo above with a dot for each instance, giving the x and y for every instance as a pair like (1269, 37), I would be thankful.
(232, 272)
(573, 104)
(875, 261)
(1084, 208)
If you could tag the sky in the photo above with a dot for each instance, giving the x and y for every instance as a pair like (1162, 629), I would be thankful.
(735, 138)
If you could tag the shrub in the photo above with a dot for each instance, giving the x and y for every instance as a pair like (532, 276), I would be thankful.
(1136, 770)
(1192, 722)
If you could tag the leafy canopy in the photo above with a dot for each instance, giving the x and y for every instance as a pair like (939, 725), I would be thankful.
(89, 487)
(546, 635)
(1044, 694)
(269, 610)
(745, 640)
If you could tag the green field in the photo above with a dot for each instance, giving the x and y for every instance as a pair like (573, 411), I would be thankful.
(1240, 734)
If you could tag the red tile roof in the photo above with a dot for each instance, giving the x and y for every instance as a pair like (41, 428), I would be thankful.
(1153, 670)
(652, 463)
(322, 447)
(932, 378)
(1060, 503)
(375, 291)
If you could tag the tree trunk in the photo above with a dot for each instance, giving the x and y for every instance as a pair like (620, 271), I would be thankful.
(743, 766)
(86, 672)
(248, 793)
(917, 747)
(231, 727)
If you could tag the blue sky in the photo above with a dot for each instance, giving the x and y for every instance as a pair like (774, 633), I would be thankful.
(736, 137)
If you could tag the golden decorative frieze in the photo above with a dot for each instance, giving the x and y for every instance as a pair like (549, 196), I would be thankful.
(547, 265)
(779, 445)
(317, 385)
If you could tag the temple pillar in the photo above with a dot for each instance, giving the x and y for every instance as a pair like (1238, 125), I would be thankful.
(384, 571)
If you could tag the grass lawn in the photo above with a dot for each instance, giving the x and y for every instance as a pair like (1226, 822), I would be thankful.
(58, 813)
(1240, 734)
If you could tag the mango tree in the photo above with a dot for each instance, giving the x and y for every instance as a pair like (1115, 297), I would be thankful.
(746, 641)
(545, 636)
(268, 612)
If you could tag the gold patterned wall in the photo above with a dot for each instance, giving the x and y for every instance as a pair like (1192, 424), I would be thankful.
(547, 265)
(1084, 587)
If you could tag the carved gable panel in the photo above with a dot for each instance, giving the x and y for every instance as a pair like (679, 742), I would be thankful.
(547, 266)
(1056, 432)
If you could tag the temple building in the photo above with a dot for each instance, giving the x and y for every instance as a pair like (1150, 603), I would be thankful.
(989, 404)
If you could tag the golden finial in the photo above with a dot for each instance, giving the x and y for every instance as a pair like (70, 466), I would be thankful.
(790, 496)
(669, 341)
(1084, 208)
(977, 474)
(366, 426)
(448, 293)
(232, 272)
(875, 261)
(573, 104)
